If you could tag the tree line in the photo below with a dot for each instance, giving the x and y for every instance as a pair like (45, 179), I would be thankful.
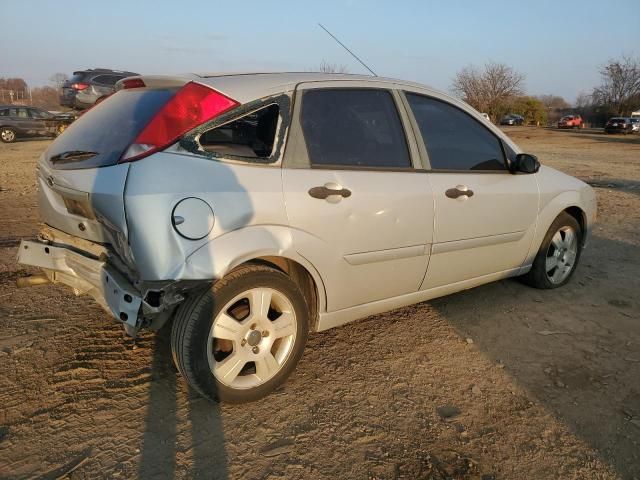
(497, 89)
(16, 90)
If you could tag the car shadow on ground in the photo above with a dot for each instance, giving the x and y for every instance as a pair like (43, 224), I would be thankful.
(163, 424)
(628, 186)
(601, 136)
(580, 363)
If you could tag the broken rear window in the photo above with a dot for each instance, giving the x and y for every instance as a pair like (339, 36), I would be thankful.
(250, 136)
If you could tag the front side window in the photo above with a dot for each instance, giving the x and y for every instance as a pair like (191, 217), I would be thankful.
(39, 114)
(455, 140)
(353, 128)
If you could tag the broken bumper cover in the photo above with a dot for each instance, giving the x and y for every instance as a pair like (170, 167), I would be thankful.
(86, 276)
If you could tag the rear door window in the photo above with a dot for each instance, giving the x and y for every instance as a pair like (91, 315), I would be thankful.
(454, 140)
(353, 128)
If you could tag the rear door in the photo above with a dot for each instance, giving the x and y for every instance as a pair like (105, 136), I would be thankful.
(360, 211)
(485, 217)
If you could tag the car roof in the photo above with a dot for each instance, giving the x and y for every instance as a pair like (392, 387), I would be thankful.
(247, 86)
(105, 71)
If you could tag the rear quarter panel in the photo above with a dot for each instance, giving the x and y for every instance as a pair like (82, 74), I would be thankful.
(240, 195)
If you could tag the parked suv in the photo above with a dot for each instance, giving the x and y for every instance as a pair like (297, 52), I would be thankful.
(635, 124)
(86, 87)
(570, 121)
(619, 125)
(250, 210)
(21, 121)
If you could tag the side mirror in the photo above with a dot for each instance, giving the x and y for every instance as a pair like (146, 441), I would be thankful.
(526, 163)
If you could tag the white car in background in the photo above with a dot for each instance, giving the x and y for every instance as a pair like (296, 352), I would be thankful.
(250, 210)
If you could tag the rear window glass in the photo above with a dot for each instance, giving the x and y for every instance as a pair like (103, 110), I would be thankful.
(109, 128)
(251, 136)
(77, 77)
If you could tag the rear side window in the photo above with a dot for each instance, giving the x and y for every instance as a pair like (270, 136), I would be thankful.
(455, 140)
(250, 136)
(109, 128)
(107, 79)
(353, 128)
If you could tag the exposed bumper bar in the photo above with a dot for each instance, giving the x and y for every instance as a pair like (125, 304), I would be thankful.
(86, 276)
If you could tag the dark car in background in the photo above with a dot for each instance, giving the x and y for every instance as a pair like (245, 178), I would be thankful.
(619, 125)
(18, 121)
(512, 119)
(86, 87)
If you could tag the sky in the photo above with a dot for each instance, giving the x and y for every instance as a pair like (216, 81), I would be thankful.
(557, 45)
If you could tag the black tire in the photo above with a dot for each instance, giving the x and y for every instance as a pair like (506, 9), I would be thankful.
(537, 277)
(8, 135)
(194, 319)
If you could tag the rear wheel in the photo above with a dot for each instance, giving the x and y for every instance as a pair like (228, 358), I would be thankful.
(7, 134)
(240, 339)
(558, 255)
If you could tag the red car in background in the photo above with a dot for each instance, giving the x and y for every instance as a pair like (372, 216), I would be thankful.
(570, 121)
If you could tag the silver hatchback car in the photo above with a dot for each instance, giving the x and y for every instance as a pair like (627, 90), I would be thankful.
(250, 210)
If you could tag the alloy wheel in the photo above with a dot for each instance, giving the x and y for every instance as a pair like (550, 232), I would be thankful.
(251, 338)
(561, 254)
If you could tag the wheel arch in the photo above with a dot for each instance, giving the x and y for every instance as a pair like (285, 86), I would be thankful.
(265, 244)
(581, 217)
(567, 202)
(300, 275)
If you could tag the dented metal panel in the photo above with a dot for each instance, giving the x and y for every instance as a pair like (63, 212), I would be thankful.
(85, 275)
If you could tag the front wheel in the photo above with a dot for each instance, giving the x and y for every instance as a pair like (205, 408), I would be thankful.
(240, 339)
(7, 135)
(558, 255)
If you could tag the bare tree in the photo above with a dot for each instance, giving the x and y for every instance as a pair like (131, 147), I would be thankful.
(488, 90)
(326, 67)
(584, 100)
(57, 79)
(553, 102)
(620, 85)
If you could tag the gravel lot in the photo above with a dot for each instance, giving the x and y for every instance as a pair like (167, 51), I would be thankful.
(499, 382)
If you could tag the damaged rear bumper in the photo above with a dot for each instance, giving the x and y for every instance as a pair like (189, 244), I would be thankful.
(86, 275)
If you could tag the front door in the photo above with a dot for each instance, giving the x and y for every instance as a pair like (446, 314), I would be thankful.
(360, 212)
(485, 216)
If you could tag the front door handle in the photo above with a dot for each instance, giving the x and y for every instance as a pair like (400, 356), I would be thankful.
(459, 191)
(323, 192)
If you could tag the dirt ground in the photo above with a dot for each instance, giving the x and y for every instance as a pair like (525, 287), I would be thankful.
(499, 382)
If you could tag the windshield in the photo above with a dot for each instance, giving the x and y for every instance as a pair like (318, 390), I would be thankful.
(108, 128)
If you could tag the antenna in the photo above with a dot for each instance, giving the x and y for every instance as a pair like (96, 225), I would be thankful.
(345, 47)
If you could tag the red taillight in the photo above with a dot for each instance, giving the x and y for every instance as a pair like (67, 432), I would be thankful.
(191, 106)
(133, 83)
(79, 86)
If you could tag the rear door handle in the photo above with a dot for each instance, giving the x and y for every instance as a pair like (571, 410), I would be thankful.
(459, 191)
(323, 192)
